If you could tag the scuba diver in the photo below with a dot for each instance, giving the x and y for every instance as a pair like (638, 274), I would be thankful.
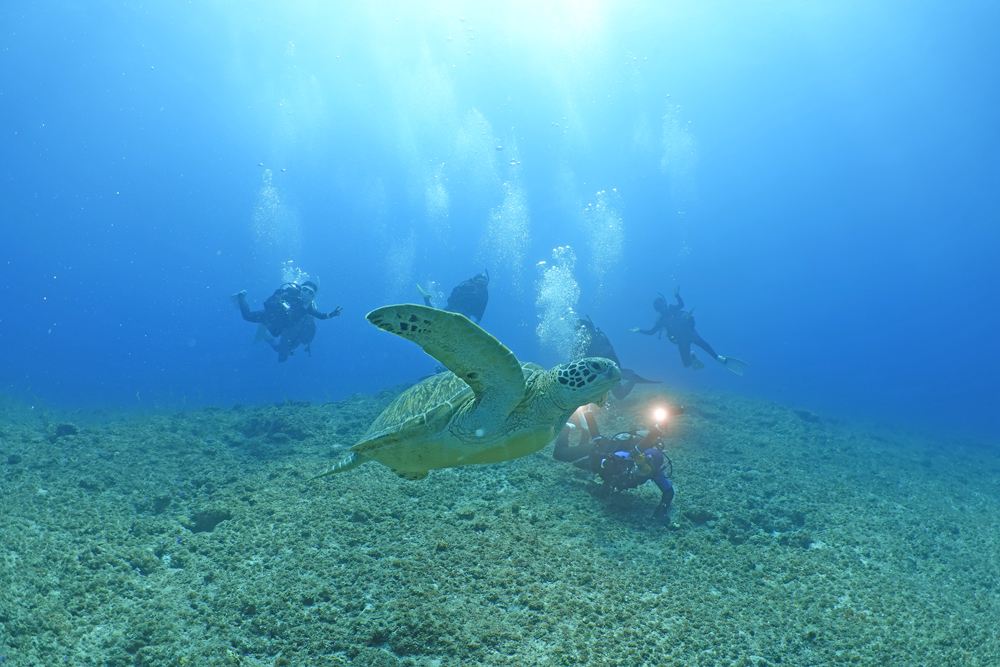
(679, 325)
(468, 298)
(624, 461)
(598, 345)
(290, 314)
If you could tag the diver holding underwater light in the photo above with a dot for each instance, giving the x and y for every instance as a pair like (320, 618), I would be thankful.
(624, 461)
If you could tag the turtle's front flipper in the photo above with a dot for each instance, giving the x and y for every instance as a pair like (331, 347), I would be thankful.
(352, 461)
(462, 347)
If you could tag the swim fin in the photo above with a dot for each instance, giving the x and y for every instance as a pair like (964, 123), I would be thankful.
(629, 375)
(235, 298)
(732, 363)
(424, 293)
(696, 364)
(262, 334)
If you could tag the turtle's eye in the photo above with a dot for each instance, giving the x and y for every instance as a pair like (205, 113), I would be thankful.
(595, 366)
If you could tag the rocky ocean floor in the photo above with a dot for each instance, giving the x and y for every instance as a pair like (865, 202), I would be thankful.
(197, 539)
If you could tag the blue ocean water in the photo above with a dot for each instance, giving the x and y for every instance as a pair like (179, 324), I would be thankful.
(821, 181)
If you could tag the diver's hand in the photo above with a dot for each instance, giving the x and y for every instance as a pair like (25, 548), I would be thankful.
(334, 313)
(634, 329)
(677, 290)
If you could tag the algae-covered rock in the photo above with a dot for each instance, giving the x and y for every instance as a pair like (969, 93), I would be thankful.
(824, 547)
(699, 517)
(62, 430)
(205, 520)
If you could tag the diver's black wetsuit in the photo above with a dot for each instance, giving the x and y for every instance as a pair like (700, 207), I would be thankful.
(468, 298)
(274, 315)
(301, 332)
(600, 346)
(284, 315)
(679, 325)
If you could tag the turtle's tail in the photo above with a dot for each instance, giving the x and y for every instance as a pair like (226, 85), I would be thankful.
(350, 463)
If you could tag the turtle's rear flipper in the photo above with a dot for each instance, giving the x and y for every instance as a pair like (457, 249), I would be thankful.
(732, 363)
(352, 461)
(696, 363)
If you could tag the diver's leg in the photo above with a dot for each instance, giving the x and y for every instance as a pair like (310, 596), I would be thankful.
(427, 297)
(241, 301)
(565, 452)
(255, 316)
(623, 389)
(685, 349)
(279, 346)
(700, 342)
(629, 380)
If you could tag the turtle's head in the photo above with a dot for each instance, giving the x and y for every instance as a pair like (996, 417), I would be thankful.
(585, 381)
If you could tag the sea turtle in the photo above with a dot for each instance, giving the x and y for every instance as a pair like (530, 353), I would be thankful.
(487, 407)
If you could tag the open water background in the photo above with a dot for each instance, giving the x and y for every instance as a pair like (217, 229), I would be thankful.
(821, 182)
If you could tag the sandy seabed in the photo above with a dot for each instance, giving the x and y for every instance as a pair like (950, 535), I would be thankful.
(197, 539)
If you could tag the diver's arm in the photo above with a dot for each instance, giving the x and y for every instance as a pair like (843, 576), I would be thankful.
(565, 452)
(322, 316)
(649, 332)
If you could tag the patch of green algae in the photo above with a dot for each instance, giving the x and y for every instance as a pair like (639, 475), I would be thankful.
(196, 539)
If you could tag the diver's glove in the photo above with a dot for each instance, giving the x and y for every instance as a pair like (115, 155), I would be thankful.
(334, 313)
